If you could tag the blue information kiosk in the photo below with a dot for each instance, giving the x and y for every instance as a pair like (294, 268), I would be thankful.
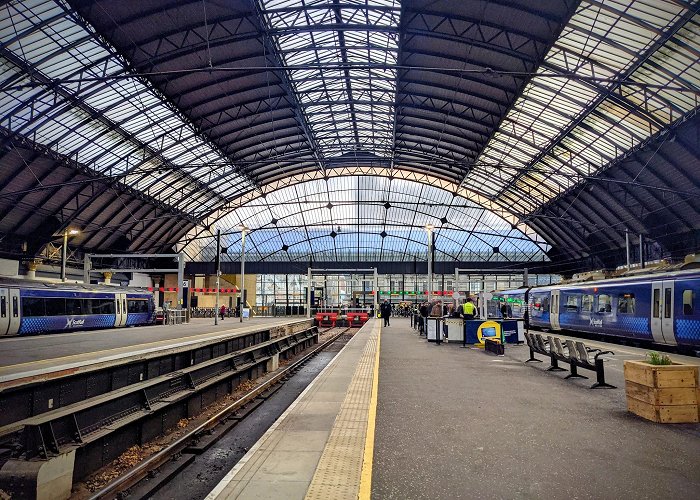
(509, 331)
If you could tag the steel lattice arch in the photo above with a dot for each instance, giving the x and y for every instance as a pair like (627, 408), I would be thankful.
(525, 132)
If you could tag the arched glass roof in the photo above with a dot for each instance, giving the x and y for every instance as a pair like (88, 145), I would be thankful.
(198, 107)
(366, 218)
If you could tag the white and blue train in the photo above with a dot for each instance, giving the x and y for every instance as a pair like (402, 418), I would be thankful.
(662, 308)
(34, 307)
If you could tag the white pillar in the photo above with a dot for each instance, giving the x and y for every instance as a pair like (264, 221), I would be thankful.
(308, 293)
(217, 261)
(376, 291)
(430, 262)
(242, 272)
(64, 255)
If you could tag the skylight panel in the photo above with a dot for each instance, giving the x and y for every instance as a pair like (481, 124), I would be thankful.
(61, 48)
(599, 41)
(354, 119)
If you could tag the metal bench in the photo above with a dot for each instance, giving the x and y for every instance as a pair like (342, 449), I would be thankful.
(576, 354)
(579, 357)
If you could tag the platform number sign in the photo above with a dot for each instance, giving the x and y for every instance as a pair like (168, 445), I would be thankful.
(185, 283)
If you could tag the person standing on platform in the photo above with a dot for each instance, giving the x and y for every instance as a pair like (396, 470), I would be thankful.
(468, 309)
(222, 312)
(424, 313)
(385, 310)
(504, 310)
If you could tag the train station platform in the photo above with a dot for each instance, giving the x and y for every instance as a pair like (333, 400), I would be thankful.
(455, 422)
(40, 356)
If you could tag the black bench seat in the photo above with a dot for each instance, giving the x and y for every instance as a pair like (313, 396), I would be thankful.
(575, 353)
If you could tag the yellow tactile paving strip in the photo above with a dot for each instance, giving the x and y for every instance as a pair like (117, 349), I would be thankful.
(340, 471)
(318, 446)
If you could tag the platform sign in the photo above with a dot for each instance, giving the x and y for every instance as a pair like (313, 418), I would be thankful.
(185, 283)
(456, 295)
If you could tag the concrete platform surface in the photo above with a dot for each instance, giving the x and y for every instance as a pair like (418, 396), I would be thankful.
(315, 450)
(459, 423)
(42, 353)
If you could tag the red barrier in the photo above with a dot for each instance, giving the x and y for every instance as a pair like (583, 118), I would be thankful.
(357, 319)
(326, 319)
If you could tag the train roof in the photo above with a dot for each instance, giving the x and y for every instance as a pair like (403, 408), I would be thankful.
(687, 273)
(74, 287)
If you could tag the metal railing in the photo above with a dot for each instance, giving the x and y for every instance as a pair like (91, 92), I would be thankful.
(175, 316)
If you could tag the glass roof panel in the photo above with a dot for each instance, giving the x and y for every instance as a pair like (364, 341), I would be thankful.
(592, 123)
(342, 216)
(104, 124)
(348, 108)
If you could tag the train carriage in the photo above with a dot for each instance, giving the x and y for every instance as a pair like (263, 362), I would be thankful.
(661, 308)
(34, 307)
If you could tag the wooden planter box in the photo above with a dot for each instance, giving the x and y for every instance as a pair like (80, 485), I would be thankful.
(662, 393)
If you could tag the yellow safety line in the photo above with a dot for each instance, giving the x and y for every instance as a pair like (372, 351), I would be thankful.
(366, 477)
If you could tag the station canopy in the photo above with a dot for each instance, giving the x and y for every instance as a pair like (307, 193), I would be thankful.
(339, 129)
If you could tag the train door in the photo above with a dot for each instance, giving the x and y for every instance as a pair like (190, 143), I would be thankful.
(11, 312)
(554, 310)
(121, 309)
(4, 311)
(662, 312)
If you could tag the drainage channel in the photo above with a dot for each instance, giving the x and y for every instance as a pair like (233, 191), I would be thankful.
(191, 466)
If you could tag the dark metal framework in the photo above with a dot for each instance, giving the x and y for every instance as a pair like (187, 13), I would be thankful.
(561, 118)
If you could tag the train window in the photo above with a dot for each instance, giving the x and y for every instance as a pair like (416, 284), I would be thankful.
(587, 303)
(625, 303)
(3, 306)
(604, 303)
(74, 307)
(102, 306)
(656, 301)
(55, 306)
(688, 299)
(15, 307)
(33, 306)
(137, 306)
(572, 303)
(668, 303)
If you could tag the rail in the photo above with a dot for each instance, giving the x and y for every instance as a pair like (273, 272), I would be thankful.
(145, 468)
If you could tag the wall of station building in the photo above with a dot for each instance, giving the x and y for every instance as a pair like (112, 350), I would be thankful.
(208, 298)
(356, 289)
(265, 291)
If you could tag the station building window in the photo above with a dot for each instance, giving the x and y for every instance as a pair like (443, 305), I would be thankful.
(688, 302)
(626, 303)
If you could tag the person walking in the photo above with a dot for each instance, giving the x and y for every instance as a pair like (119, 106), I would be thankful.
(222, 312)
(385, 310)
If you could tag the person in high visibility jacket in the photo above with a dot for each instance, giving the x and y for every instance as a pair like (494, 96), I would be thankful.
(468, 309)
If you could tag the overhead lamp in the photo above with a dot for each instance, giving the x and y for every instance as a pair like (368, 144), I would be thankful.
(429, 227)
(64, 250)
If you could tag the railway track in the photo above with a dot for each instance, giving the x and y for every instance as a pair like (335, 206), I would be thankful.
(155, 472)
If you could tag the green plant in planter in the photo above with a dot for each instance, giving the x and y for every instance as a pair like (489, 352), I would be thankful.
(654, 358)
